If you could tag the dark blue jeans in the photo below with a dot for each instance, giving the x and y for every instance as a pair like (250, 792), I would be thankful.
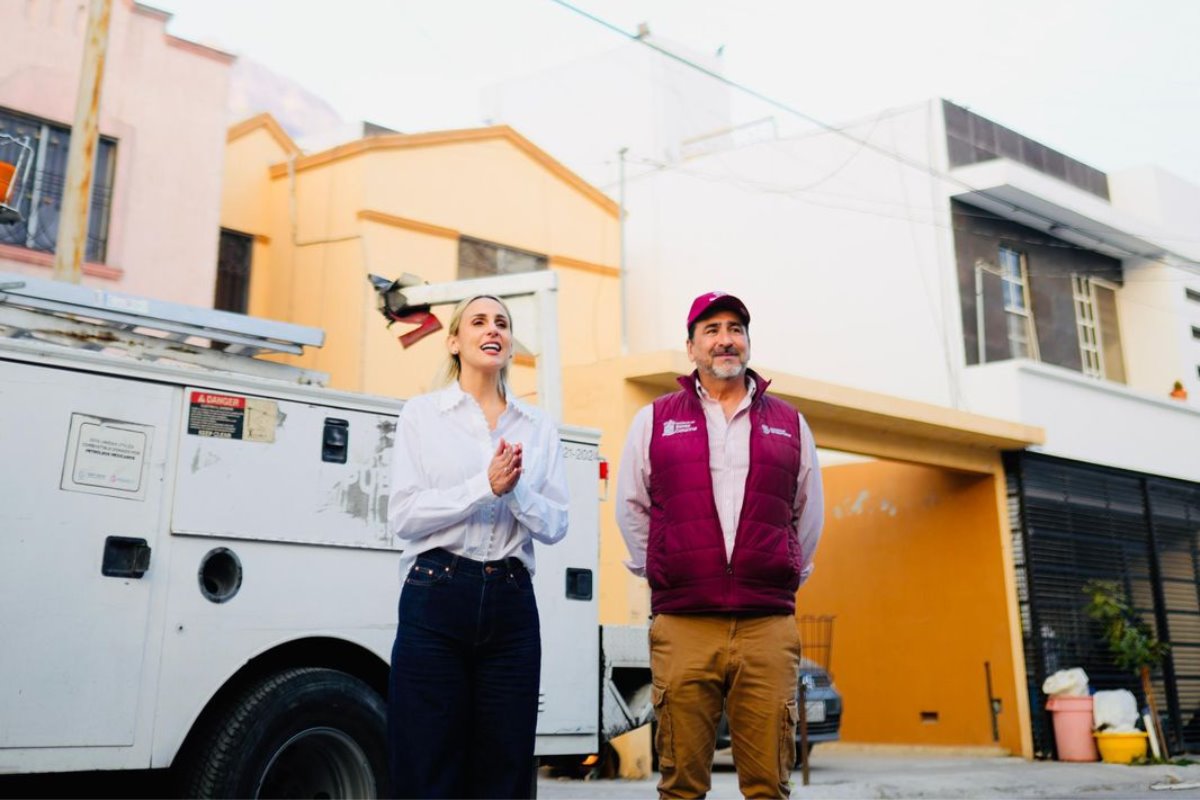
(466, 666)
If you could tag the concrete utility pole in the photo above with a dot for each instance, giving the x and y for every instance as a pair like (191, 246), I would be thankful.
(624, 288)
(81, 157)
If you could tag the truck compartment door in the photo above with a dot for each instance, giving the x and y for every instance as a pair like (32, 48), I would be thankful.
(82, 473)
(569, 714)
(283, 471)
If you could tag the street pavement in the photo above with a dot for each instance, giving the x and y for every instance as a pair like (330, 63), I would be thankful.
(896, 774)
(837, 771)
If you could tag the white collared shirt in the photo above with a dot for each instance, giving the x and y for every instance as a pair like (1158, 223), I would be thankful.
(440, 493)
(729, 464)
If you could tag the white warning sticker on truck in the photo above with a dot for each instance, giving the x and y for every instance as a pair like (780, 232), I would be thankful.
(107, 457)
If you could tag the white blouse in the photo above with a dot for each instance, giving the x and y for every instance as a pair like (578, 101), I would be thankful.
(440, 494)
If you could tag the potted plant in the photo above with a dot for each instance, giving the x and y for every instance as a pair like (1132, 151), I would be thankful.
(1132, 644)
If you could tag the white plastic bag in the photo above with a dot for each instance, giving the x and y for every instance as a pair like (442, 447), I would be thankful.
(1067, 682)
(1114, 711)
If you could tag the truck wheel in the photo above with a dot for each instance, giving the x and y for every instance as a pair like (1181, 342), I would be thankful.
(299, 733)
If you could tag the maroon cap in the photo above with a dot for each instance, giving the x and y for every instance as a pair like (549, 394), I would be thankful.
(709, 303)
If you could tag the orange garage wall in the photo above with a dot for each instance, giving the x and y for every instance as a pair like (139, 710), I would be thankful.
(911, 565)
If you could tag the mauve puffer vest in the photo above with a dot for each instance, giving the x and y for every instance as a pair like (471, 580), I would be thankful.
(685, 557)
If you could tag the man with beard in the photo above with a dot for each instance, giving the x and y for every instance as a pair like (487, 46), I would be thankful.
(719, 500)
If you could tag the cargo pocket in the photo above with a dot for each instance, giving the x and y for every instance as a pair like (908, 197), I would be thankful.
(664, 738)
(787, 740)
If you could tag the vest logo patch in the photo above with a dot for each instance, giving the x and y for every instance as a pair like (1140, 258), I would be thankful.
(767, 430)
(674, 426)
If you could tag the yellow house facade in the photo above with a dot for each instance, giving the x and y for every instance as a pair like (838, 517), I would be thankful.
(398, 203)
(916, 563)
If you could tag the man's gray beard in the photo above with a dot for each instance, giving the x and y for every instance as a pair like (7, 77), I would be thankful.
(725, 373)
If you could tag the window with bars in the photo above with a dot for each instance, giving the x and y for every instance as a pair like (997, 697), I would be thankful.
(1022, 337)
(1097, 328)
(41, 203)
(1085, 324)
(480, 259)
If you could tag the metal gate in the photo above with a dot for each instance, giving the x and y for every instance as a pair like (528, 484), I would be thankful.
(1072, 522)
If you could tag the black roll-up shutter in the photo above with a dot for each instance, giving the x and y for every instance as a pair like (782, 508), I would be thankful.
(1072, 522)
(1174, 513)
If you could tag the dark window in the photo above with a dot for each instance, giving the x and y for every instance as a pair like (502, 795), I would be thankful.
(1192, 294)
(480, 259)
(40, 204)
(233, 272)
(1022, 340)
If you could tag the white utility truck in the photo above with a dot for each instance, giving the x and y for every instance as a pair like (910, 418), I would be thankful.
(195, 570)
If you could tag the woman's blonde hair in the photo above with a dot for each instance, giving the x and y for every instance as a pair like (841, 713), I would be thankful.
(453, 366)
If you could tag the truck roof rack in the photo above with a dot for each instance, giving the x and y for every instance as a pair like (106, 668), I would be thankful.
(96, 319)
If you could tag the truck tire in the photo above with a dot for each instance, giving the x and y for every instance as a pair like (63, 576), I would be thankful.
(299, 733)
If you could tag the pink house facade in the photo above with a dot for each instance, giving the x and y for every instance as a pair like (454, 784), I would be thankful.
(155, 214)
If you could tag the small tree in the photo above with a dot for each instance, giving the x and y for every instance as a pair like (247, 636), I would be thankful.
(1133, 645)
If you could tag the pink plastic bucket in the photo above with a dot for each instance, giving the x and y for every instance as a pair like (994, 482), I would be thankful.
(1073, 728)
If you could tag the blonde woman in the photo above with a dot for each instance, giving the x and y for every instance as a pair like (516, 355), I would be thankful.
(477, 475)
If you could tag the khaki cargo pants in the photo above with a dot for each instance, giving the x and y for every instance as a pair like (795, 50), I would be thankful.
(748, 666)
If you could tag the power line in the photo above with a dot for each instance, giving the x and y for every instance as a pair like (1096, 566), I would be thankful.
(757, 187)
(1090, 231)
(1033, 271)
(912, 163)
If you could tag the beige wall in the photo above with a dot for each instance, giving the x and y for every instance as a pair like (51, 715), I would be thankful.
(384, 206)
(491, 190)
(164, 102)
(246, 201)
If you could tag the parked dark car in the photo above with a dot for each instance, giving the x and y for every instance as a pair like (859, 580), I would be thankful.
(824, 709)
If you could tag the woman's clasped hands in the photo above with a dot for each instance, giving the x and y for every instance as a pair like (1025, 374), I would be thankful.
(505, 469)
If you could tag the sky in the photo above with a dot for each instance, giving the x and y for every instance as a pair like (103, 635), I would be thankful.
(1113, 83)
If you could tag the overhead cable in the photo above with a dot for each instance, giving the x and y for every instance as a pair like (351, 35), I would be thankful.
(912, 163)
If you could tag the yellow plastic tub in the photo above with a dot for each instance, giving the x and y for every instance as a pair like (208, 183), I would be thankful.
(1122, 747)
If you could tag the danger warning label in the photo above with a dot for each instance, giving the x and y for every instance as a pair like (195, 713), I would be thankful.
(220, 416)
(230, 416)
